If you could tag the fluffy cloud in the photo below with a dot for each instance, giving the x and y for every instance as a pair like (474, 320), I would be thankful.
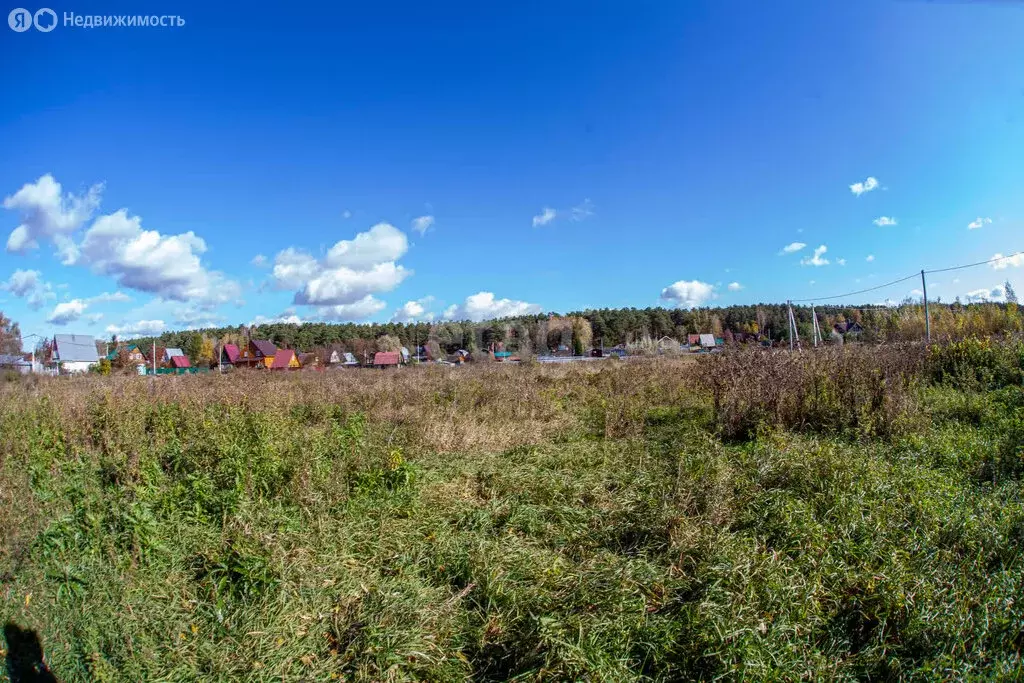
(1004, 262)
(867, 186)
(978, 222)
(29, 285)
(483, 306)
(869, 258)
(840, 261)
(817, 259)
(48, 214)
(67, 312)
(165, 265)
(259, 260)
(139, 328)
(997, 293)
(883, 221)
(422, 224)
(357, 310)
(349, 274)
(688, 294)
(414, 310)
(792, 247)
(735, 286)
(546, 215)
(115, 245)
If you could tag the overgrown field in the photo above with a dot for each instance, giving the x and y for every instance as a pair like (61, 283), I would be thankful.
(851, 513)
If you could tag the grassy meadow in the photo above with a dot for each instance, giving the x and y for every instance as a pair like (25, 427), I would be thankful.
(836, 514)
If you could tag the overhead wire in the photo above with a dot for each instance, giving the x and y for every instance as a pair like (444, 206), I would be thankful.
(909, 277)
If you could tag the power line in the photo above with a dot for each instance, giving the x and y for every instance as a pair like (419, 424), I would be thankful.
(979, 263)
(909, 277)
(861, 291)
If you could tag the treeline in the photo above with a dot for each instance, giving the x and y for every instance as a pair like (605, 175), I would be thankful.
(609, 327)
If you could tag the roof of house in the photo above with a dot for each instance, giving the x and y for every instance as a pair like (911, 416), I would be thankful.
(180, 361)
(75, 348)
(350, 359)
(282, 359)
(264, 346)
(232, 352)
(171, 352)
(13, 360)
(707, 340)
(386, 358)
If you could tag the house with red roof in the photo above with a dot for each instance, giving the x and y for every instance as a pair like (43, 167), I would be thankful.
(180, 362)
(229, 354)
(285, 359)
(386, 359)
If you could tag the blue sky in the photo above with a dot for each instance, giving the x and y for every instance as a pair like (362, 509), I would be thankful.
(568, 155)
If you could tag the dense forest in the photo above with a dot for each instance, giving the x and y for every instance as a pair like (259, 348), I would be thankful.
(580, 330)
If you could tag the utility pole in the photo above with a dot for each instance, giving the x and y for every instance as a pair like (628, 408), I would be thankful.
(789, 321)
(154, 357)
(927, 320)
(815, 332)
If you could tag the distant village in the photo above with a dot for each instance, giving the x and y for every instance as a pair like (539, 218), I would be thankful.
(67, 354)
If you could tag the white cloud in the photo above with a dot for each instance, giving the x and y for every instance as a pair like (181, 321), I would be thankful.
(483, 306)
(1004, 262)
(293, 268)
(422, 224)
(546, 215)
(841, 261)
(194, 318)
(67, 312)
(349, 274)
(346, 214)
(867, 186)
(870, 258)
(997, 293)
(383, 242)
(343, 286)
(48, 214)
(283, 319)
(110, 297)
(259, 260)
(116, 245)
(414, 310)
(165, 265)
(883, 221)
(357, 310)
(735, 286)
(917, 292)
(817, 259)
(792, 247)
(583, 211)
(688, 293)
(139, 328)
(29, 285)
(978, 222)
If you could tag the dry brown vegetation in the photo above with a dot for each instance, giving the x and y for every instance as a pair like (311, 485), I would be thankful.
(851, 513)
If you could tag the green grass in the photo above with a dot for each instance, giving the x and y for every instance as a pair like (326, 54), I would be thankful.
(177, 538)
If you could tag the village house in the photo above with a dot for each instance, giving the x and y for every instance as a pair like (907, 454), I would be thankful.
(386, 359)
(74, 352)
(258, 353)
(284, 359)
